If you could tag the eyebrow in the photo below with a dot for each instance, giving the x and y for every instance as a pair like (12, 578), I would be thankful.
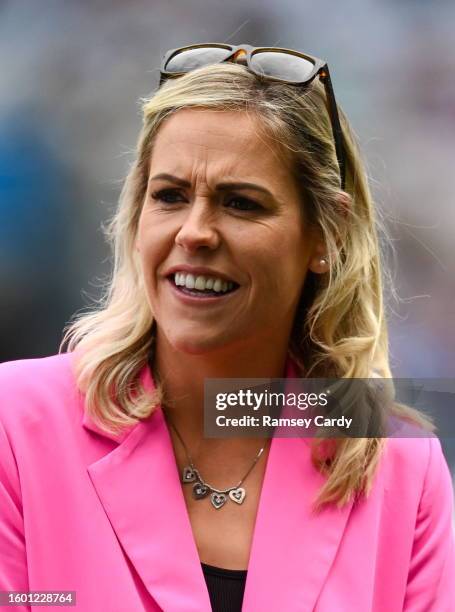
(225, 186)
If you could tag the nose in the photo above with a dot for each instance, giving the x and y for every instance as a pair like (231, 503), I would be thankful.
(198, 229)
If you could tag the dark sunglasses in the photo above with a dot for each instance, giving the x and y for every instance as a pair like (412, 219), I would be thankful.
(272, 63)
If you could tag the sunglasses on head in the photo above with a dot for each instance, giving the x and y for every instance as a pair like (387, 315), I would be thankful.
(271, 63)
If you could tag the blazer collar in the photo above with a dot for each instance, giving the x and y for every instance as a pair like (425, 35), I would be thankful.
(292, 550)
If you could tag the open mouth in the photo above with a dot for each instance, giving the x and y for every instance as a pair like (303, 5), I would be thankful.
(203, 293)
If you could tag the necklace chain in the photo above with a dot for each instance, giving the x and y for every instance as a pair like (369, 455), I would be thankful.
(202, 489)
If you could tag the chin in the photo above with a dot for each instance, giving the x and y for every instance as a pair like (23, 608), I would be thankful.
(192, 344)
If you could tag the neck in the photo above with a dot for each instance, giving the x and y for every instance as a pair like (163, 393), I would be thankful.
(182, 376)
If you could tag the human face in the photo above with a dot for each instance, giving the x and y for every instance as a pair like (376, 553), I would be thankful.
(198, 213)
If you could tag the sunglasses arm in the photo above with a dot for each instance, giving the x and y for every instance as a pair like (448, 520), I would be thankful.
(324, 75)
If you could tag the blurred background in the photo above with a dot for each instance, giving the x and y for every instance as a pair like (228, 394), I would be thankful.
(73, 73)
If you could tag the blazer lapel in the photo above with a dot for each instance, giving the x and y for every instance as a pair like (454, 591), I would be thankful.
(139, 487)
(293, 547)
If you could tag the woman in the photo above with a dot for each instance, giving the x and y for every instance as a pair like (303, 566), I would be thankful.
(245, 247)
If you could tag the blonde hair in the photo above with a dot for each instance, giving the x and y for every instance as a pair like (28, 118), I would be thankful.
(339, 328)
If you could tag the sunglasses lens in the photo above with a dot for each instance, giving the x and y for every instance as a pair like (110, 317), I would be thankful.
(190, 59)
(282, 66)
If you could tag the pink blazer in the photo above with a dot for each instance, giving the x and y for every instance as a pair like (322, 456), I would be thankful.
(105, 517)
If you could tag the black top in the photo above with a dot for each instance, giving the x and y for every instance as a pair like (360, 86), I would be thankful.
(225, 587)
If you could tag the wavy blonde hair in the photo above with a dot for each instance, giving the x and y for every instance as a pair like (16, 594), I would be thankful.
(339, 328)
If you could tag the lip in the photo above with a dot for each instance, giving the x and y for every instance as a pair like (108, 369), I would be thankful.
(200, 270)
(199, 301)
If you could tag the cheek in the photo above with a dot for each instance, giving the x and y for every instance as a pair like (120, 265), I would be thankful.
(141, 234)
(292, 259)
(277, 269)
(151, 242)
(148, 262)
(143, 244)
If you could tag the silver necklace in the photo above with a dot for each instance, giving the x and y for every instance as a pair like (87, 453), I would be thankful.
(202, 489)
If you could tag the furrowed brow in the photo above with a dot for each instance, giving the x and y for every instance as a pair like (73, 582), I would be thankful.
(242, 185)
(171, 178)
(225, 186)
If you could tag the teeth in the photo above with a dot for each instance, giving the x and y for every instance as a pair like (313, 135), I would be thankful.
(201, 283)
(189, 281)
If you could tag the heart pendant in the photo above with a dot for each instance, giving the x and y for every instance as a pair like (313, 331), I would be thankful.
(188, 474)
(218, 500)
(237, 495)
(200, 491)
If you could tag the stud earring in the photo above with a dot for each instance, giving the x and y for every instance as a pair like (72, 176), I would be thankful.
(323, 261)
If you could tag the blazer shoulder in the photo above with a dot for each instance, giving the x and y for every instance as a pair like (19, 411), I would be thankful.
(414, 464)
(30, 386)
(28, 372)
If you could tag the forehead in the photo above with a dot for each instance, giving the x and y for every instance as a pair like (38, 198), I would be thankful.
(231, 142)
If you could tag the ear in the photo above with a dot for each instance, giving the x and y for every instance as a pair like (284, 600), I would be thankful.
(317, 255)
(319, 260)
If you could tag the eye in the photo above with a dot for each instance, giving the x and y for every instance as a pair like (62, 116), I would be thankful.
(240, 203)
(168, 196)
